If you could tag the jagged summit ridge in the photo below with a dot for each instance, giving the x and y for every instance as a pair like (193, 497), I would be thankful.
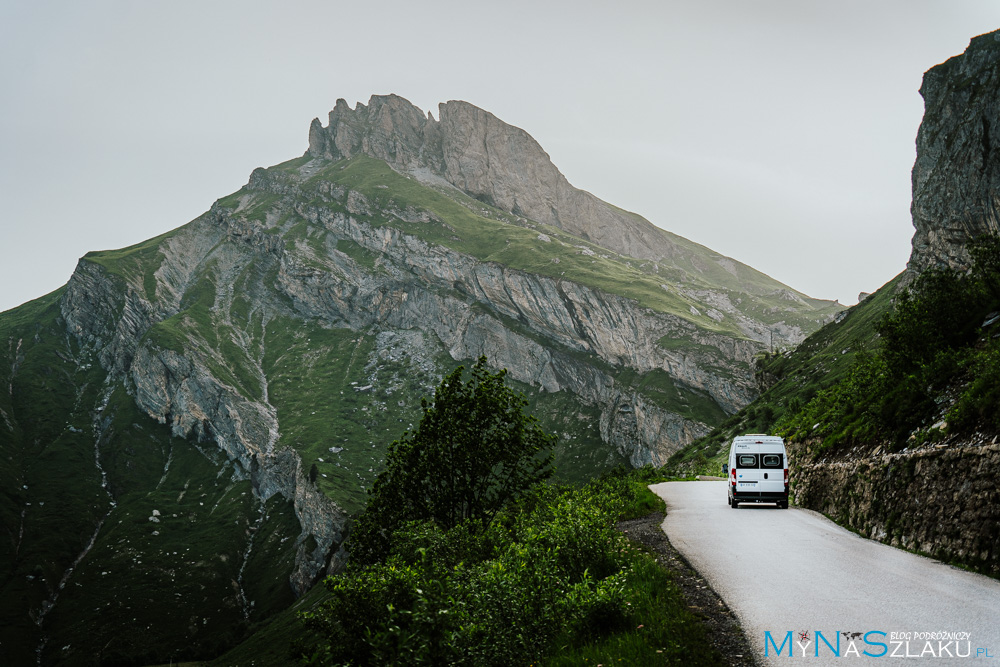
(485, 157)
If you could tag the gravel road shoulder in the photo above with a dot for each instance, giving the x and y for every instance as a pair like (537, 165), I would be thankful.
(724, 629)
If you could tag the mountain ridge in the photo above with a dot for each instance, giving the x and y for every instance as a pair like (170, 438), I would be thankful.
(500, 164)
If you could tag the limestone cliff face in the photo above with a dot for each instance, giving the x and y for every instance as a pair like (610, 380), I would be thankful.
(112, 315)
(956, 177)
(481, 155)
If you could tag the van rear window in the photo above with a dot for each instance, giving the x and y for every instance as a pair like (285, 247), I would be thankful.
(746, 460)
(770, 461)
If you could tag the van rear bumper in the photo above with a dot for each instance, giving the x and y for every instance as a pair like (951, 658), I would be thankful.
(761, 496)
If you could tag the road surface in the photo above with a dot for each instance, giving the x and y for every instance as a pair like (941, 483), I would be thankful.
(794, 571)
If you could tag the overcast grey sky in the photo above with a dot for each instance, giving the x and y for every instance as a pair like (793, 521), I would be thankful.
(778, 132)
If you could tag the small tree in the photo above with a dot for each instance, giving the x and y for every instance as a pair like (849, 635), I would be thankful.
(473, 451)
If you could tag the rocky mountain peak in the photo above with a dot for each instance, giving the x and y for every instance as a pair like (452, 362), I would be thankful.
(488, 159)
(956, 176)
(388, 128)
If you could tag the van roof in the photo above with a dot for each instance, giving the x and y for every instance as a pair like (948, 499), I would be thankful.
(771, 442)
(759, 437)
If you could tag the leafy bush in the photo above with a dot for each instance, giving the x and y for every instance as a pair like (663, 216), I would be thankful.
(473, 451)
(977, 405)
(550, 566)
(931, 339)
(468, 596)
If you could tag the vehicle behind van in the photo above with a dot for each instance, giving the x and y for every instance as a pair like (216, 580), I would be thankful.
(757, 470)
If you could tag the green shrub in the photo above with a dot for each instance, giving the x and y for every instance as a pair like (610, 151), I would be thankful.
(977, 405)
(928, 342)
(550, 566)
(473, 451)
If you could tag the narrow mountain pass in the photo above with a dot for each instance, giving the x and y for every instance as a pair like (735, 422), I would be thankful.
(803, 586)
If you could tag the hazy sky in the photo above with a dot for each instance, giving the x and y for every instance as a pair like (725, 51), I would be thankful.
(778, 132)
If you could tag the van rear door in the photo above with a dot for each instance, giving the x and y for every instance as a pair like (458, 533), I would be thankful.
(771, 478)
(748, 474)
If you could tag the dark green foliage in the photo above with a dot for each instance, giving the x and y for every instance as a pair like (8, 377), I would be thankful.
(473, 451)
(979, 404)
(931, 339)
(942, 311)
(550, 578)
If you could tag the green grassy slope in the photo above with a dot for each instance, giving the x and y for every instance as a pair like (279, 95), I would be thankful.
(47, 472)
(823, 358)
(126, 589)
(454, 220)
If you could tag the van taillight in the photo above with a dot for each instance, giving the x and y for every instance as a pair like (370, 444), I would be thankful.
(786, 475)
(733, 474)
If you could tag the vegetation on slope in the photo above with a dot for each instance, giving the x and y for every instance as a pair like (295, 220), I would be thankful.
(549, 581)
(50, 492)
(790, 378)
(85, 572)
(546, 579)
(898, 364)
(939, 335)
(489, 234)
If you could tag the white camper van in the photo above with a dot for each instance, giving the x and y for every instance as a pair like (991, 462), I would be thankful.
(757, 470)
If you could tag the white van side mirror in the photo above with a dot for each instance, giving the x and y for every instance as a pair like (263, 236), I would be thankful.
(725, 468)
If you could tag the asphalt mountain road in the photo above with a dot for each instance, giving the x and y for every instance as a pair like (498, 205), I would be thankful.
(800, 577)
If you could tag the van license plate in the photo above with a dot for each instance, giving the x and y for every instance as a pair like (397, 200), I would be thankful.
(748, 483)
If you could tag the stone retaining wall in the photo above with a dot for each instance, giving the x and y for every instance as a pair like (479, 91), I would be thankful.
(942, 500)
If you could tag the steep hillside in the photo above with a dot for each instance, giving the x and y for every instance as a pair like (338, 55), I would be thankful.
(107, 516)
(201, 413)
(790, 378)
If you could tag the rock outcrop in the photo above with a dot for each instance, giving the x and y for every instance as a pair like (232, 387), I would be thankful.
(497, 163)
(956, 177)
